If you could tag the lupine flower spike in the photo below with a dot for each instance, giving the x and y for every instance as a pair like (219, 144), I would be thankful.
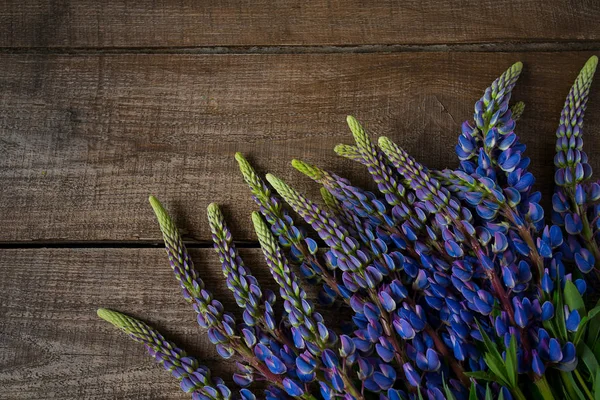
(193, 377)
(454, 284)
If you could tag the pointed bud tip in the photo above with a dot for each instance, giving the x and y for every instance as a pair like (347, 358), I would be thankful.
(307, 169)
(298, 164)
(277, 183)
(592, 62)
(213, 208)
(384, 141)
(108, 315)
(257, 221)
(244, 165)
(156, 205)
(518, 66)
(272, 178)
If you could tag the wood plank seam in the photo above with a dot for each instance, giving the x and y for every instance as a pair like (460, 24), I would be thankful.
(318, 49)
(115, 244)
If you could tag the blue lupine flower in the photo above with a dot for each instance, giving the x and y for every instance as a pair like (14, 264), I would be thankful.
(430, 267)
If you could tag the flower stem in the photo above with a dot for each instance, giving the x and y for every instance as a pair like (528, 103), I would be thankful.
(588, 237)
(519, 395)
(583, 385)
(544, 388)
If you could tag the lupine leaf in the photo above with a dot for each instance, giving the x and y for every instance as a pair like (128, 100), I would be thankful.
(473, 392)
(593, 330)
(511, 361)
(589, 359)
(596, 350)
(597, 385)
(493, 359)
(483, 375)
(447, 391)
(559, 316)
(501, 395)
(581, 330)
(570, 386)
(488, 392)
(573, 298)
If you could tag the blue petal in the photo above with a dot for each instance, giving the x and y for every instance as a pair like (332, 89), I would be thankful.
(573, 224)
(433, 360)
(247, 395)
(547, 310)
(537, 365)
(412, 377)
(573, 321)
(330, 359)
(404, 329)
(312, 245)
(292, 388)
(554, 352)
(275, 365)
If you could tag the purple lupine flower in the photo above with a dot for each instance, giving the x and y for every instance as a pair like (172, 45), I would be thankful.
(302, 248)
(367, 154)
(193, 377)
(574, 195)
(258, 307)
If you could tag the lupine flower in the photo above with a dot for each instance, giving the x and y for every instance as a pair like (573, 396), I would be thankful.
(455, 286)
(302, 248)
(246, 289)
(193, 377)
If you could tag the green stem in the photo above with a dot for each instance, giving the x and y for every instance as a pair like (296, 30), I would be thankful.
(588, 237)
(544, 388)
(587, 233)
(518, 393)
(583, 385)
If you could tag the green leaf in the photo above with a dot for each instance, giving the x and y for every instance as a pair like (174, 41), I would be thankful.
(596, 350)
(571, 387)
(473, 392)
(593, 330)
(589, 360)
(497, 368)
(594, 311)
(483, 376)
(573, 298)
(581, 330)
(494, 360)
(512, 362)
(596, 387)
(559, 315)
(447, 391)
(488, 392)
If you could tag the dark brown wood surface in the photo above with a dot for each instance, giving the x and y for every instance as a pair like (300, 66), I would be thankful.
(189, 23)
(52, 344)
(104, 103)
(88, 138)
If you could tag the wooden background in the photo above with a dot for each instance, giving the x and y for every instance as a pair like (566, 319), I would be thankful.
(103, 103)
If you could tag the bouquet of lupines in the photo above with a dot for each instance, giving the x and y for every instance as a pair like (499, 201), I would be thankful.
(457, 285)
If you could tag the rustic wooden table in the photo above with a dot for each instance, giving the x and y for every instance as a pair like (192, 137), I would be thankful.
(103, 103)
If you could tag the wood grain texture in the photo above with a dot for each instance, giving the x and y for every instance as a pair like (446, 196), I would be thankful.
(85, 139)
(189, 23)
(52, 344)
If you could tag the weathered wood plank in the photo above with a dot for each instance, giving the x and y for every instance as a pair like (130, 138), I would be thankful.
(85, 139)
(169, 23)
(52, 344)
